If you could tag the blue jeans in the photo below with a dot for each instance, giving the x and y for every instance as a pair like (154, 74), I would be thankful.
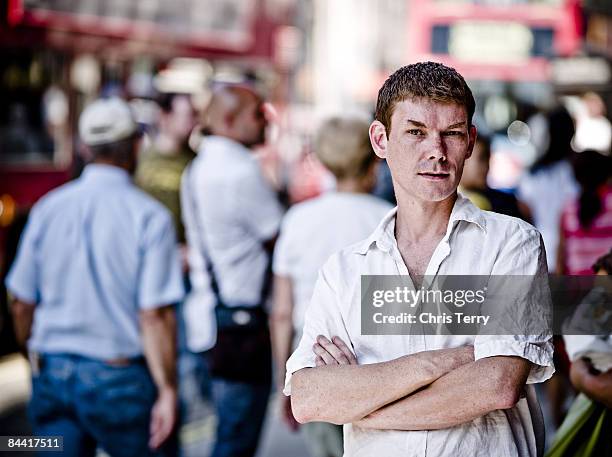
(241, 409)
(93, 404)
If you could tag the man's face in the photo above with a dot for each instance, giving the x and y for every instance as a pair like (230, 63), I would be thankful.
(250, 122)
(181, 119)
(426, 148)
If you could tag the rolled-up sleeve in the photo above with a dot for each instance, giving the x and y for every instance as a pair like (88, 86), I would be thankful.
(523, 271)
(323, 317)
(539, 351)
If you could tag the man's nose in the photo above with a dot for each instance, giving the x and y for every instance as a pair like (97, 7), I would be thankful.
(437, 149)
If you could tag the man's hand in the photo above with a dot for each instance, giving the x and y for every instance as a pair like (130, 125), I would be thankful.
(163, 417)
(597, 386)
(334, 352)
(287, 413)
(158, 328)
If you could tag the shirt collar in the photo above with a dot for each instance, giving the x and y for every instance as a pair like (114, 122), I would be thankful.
(384, 235)
(221, 143)
(103, 172)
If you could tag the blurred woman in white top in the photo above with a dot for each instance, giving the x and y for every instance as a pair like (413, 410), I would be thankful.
(549, 184)
(310, 233)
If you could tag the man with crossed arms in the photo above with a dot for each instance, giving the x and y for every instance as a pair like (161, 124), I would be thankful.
(425, 395)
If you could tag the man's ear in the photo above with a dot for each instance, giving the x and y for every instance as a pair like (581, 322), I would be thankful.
(228, 120)
(378, 138)
(473, 134)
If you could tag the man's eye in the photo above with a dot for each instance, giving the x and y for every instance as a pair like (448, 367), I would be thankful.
(454, 133)
(415, 132)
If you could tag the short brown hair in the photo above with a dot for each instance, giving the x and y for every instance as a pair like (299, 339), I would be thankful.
(343, 147)
(430, 80)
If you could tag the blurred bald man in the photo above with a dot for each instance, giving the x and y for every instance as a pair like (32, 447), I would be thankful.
(232, 217)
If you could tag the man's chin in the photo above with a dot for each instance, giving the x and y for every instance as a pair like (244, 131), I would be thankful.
(436, 195)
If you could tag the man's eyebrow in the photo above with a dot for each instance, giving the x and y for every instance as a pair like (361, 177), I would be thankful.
(458, 124)
(420, 124)
(417, 123)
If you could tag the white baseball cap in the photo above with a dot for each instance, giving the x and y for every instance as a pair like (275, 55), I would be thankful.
(106, 120)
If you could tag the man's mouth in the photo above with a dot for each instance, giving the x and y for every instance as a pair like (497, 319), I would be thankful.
(434, 175)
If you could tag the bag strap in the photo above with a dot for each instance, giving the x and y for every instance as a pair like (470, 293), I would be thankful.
(214, 284)
(199, 233)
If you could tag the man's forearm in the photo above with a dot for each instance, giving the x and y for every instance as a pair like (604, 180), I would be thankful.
(23, 316)
(281, 332)
(464, 394)
(281, 325)
(158, 328)
(346, 393)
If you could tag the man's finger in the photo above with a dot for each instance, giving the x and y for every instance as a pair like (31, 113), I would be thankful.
(165, 431)
(162, 432)
(334, 350)
(154, 431)
(154, 425)
(345, 349)
(326, 356)
(319, 361)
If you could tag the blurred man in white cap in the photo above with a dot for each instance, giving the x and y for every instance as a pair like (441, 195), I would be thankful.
(94, 284)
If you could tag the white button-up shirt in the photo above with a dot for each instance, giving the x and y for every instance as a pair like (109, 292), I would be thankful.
(476, 243)
(229, 210)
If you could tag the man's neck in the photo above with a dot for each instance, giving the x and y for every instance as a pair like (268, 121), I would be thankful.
(123, 166)
(228, 136)
(419, 220)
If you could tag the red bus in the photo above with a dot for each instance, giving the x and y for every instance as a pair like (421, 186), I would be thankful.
(506, 40)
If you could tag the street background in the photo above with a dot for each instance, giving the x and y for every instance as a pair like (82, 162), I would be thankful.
(311, 59)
